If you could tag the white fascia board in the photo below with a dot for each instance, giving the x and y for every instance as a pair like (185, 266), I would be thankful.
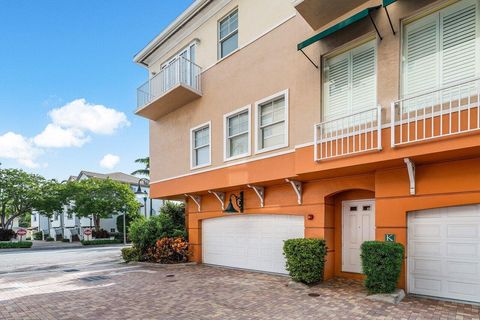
(170, 30)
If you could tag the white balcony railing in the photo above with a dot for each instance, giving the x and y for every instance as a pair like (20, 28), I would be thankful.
(180, 71)
(351, 134)
(436, 114)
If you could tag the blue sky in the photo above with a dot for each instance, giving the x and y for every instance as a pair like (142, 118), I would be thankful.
(67, 82)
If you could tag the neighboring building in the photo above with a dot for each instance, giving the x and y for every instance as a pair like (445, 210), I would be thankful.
(66, 224)
(236, 87)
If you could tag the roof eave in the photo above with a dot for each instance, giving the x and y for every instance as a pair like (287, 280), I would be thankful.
(191, 11)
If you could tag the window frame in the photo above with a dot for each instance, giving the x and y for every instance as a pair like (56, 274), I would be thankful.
(193, 165)
(338, 52)
(424, 14)
(226, 138)
(258, 104)
(228, 36)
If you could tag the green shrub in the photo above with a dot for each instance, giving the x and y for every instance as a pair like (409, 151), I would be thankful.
(130, 254)
(99, 242)
(382, 264)
(129, 218)
(169, 250)
(28, 238)
(49, 239)
(38, 235)
(13, 245)
(176, 211)
(305, 259)
(144, 233)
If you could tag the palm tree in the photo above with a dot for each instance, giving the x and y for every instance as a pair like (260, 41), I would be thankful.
(143, 172)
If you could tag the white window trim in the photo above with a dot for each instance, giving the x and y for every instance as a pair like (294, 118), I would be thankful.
(416, 16)
(284, 93)
(219, 40)
(192, 142)
(225, 130)
(347, 47)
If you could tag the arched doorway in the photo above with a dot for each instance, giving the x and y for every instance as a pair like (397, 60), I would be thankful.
(352, 214)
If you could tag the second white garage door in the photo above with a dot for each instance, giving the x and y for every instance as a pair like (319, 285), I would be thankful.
(444, 252)
(249, 241)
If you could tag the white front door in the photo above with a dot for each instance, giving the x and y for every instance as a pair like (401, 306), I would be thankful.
(252, 241)
(444, 252)
(358, 225)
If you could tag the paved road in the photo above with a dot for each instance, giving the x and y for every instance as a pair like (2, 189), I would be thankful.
(24, 260)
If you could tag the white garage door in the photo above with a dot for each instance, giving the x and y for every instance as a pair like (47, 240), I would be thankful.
(444, 252)
(249, 241)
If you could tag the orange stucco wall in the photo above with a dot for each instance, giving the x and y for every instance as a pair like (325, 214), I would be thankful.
(441, 184)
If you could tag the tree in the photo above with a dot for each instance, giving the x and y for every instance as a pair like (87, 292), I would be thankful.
(19, 194)
(52, 199)
(101, 198)
(143, 172)
(176, 211)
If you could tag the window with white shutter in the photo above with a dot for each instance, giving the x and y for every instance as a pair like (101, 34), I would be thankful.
(350, 81)
(441, 49)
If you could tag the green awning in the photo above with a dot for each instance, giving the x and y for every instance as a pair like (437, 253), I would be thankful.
(388, 2)
(343, 24)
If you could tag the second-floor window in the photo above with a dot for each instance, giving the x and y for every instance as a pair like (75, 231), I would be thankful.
(271, 125)
(441, 49)
(228, 34)
(350, 81)
(201, 146)
(237, 134)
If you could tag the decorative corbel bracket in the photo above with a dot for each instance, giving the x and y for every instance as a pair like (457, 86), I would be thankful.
(196, 199)
(260, 191)
(297, 187)
(411, 174)
(220, 197)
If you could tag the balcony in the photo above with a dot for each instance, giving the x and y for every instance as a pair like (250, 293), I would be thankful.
(348, 135)
(437, 114)
(174, 86)
(319, 13)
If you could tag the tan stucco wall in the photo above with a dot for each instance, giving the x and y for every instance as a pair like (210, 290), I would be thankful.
(269, 65)
(263, 68)
(252, 22)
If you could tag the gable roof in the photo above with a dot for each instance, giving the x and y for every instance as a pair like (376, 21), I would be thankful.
(117, 176)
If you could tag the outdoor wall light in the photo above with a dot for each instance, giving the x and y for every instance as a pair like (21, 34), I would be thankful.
(239, 202)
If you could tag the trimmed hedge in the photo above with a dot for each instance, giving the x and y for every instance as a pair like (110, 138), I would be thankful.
(99, 242)
(130, 254)
(15, 245)
(305, 259)
(382, 264)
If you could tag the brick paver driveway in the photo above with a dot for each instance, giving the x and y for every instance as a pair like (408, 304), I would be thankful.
(119, 291)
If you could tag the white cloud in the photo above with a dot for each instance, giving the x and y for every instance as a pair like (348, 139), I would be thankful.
(54, 136)
(17, 147)
(69, 127)
(109, 161)
(80, 114)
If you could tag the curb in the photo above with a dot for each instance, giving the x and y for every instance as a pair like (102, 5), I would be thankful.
(120, 245)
